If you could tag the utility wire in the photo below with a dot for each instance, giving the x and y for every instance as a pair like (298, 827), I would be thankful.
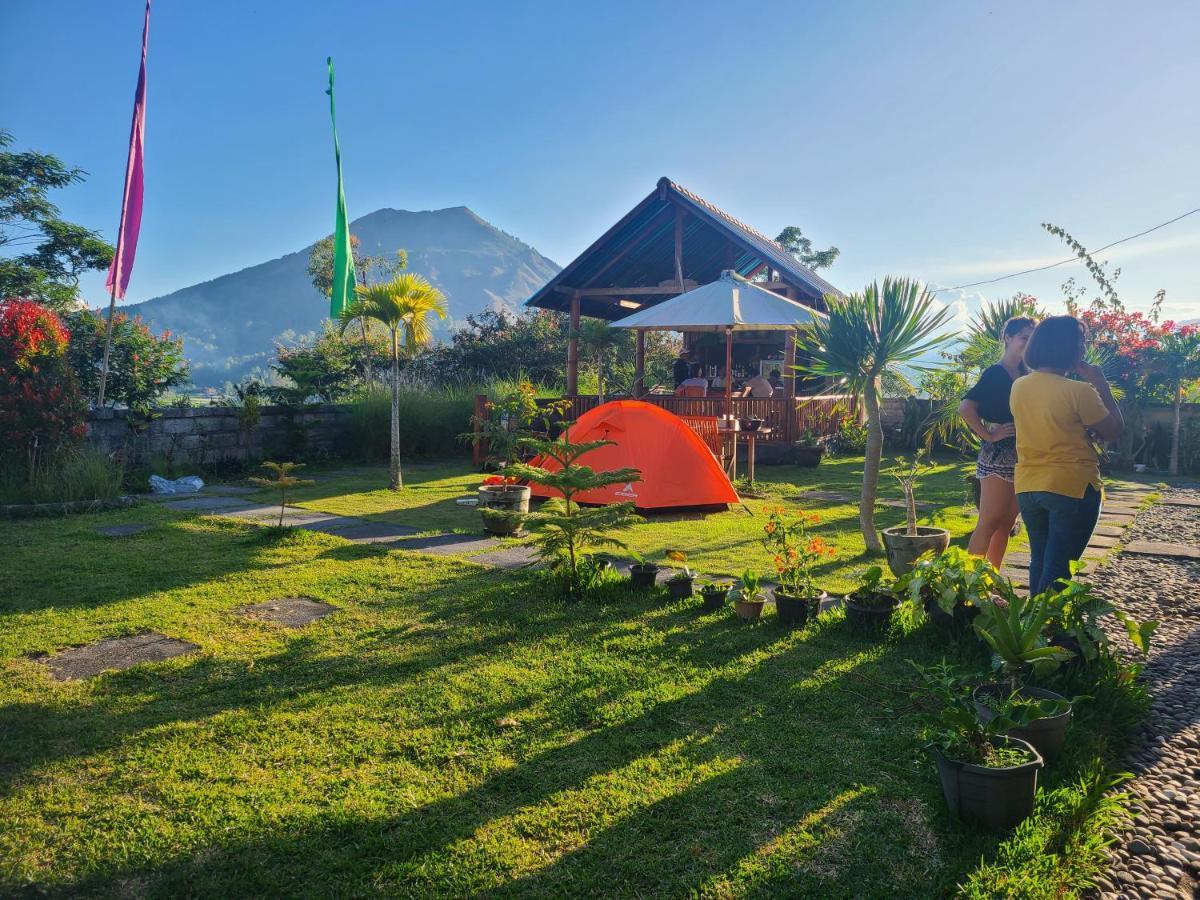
(1063, 262)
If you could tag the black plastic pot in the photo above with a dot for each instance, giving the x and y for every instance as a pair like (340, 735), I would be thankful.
(796, 612)
(712, 600)
(995, 799)
(680, 588)
(871, 619)
(958, 623)
(643, 575)
(1046, 735)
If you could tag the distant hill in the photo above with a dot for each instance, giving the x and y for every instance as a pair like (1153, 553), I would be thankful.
(230, 325)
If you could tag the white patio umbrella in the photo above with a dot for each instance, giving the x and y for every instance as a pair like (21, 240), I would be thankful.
(729, 304)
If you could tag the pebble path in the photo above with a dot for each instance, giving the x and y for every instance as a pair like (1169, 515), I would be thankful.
(1159, 855)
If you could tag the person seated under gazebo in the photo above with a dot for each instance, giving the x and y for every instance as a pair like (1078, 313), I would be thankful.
(760, 387)
(695, 386)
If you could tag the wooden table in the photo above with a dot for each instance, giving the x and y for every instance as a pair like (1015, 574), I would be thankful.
(729, 437)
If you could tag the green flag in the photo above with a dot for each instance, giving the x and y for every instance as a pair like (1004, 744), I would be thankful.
(343, 258)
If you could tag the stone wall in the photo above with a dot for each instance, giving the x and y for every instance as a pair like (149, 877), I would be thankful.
(212, 435)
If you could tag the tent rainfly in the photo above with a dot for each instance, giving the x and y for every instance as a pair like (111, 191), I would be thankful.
(728, 304)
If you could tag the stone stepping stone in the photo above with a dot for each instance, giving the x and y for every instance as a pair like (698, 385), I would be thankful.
(200, 504)
(826, 496)
(449, 544)
(1108, 529)
(372, 532)
(1103, 540)
(230, 490)
(1162, 548)
(1181, 501)
(117, 531)
(114, 653)
(291, 612)
(506, 557)
(1111, 518)
(900, 504)
(1090, 552)
(1017, 560)
(1019, 577)
(1131, 509)
(292, 516)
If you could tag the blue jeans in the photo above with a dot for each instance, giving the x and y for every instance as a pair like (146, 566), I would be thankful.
(1059, 529)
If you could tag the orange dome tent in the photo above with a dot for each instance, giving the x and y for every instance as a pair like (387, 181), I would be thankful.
(677, 467)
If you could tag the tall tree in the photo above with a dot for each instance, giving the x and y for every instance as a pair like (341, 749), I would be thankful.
(597, 338)
(1177, 359)
(41, 256)
(865, 337)
(792, 240)
(404, 306)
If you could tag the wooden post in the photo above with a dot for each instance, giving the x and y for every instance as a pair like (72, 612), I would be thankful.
(679, 248)
(789, 360)
(639, 364)
(729, 377)
(573, 349)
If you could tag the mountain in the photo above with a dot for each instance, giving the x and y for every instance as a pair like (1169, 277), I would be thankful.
(231, 324)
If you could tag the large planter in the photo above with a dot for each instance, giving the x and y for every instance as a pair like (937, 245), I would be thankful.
(807, 456)
(903, 549)
(995, 799)
(749, 610)
(643, 575)
(714, 598)
(956, 623)
(796, 612)
(679, 588)
(870, 617)
(1046, 735)
(509, 498)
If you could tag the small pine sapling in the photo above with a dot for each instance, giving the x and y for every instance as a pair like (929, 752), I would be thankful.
(909, 472)
(283, 480)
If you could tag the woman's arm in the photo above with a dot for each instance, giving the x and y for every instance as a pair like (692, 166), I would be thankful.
(1110, 427)
(969, 411)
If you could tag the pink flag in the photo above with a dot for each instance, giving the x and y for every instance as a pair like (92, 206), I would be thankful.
(131, 203)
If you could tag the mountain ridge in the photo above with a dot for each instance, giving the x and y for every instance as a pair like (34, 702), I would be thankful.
(231, 323)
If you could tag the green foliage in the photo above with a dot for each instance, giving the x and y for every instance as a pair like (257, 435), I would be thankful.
(794, 551)
(324, 369)
(792, 240)
(750, 589)
(1076, 611)
(433, 417)
(142, 366)
(1014, 627)
(506, 420)
(77, 475)
(1061, 849)
(598, 339)
(41, 255)
(949, 578)
(496, 344)
(563, 529)
(375, 268)
(283, 481)
(908, 473)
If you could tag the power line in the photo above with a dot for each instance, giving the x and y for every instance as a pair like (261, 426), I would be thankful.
(1063, 262)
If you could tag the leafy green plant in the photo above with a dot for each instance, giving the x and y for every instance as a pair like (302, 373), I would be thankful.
(874, 590)
(865, 337)
(949, 578)
(283, 481)
(678, 556)
(1014, 628)
(795, 553)
(563, 529)
(750, 590)
(1076, 611)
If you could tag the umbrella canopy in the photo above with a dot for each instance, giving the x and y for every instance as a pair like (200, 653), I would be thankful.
(731, 302)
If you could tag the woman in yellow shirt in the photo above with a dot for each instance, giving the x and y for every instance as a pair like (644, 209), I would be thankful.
(1057, 477)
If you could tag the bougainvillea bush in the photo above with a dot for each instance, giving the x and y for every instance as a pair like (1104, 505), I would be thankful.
(41, 408)
(142, 366)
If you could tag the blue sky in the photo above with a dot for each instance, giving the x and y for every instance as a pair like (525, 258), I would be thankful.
(927, 139)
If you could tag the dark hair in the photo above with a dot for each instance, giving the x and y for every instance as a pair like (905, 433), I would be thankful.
(1016, 325)
(1057, 343)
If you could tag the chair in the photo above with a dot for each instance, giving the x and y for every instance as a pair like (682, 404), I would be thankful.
(691, 390)
(706, 428)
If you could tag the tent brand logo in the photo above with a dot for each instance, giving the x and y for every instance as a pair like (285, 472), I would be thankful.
(627, 491)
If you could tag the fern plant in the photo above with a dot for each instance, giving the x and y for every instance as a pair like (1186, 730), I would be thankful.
(563, 530)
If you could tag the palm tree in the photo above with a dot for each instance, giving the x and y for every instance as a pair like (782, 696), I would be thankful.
(597, 339)
(1177, 360)
(403, 304)
(865, 337)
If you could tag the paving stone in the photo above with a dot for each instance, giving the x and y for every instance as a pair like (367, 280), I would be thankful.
(514, 557)
(204, 503)
(1103, 540)
(1182, 501)
(1017, 559)
(449, 544)
(291, 612)
(1107, 529)
(900, 504)
(326, 523)
(116, 531)
(1091, 552)
(230, 490)
(1130, 509)
(827, 496)
(1162, 548)
(114, 653)
(374, 532)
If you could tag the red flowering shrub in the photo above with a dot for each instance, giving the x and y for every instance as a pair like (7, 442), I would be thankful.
(41, 410)
(142, 366)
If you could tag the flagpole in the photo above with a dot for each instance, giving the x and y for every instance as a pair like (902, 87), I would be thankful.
(112, 297)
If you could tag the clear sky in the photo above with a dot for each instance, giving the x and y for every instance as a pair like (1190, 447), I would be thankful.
(925, 138)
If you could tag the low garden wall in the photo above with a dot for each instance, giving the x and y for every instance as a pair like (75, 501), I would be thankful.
(211, 435)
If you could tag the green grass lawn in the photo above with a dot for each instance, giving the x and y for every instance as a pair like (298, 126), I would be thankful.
(725, 543)
(453, 730)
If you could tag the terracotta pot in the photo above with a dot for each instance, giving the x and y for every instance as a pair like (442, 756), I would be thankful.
(749, 610)
(904, 549)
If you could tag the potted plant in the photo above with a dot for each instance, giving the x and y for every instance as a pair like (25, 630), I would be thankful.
(906, 543)
(950, 587)
(502, 427)
(680, 584)
(503, 504)
(642, 574)
(987, 778)
(748, 598)
(795, 552)
(1075, 623)
(1014, 628)
(869, 606)
(807, 449)
(713, 596)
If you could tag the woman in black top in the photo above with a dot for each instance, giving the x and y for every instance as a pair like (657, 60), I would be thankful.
(985, 410)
